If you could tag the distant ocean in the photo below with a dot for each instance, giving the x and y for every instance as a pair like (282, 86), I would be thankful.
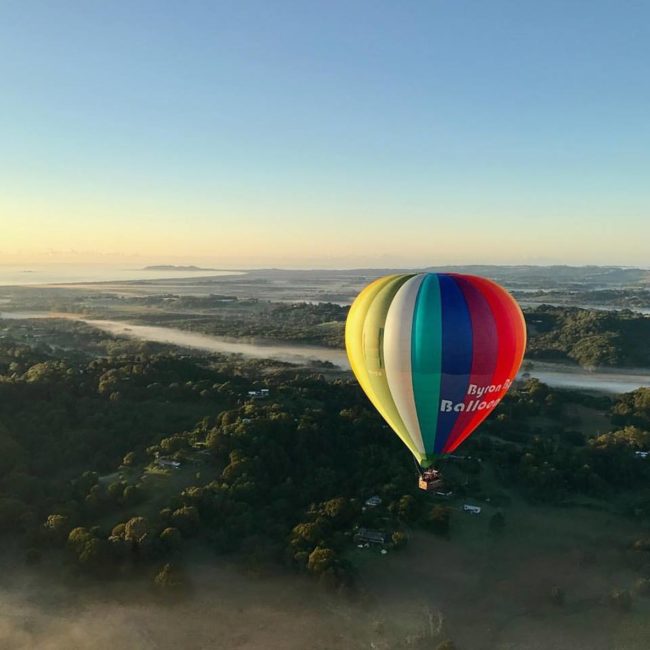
(13, 275)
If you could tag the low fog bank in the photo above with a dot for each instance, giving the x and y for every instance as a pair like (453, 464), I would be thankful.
(225, 609)
(481, 591)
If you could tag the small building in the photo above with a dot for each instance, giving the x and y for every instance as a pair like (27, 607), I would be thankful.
(373, 501)
(473, 510)
(369, 536)
(166, 463)
(641, 454)
(263, 393)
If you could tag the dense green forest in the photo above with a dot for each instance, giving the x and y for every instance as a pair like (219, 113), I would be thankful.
(305, 323)
(119, 457)
(589, 337)
(638, 298)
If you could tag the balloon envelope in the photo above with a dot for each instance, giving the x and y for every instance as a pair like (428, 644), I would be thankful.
(434, 353)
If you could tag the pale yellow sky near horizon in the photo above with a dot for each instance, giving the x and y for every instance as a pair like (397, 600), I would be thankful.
(232, 252)
(299, 243)
(350, 135)
(319, 230)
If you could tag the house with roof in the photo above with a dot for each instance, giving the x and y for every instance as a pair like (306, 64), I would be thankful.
(370, 536)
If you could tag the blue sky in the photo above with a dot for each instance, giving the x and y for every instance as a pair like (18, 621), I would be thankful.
(326, 133)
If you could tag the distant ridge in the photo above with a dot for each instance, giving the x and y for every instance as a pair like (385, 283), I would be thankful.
(173, 267)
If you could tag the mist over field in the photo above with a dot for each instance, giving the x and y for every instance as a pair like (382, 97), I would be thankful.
(226, 609)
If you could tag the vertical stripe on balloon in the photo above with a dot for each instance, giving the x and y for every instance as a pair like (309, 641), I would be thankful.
(426, 358)
(510, 330)
(519, 323)
(357, 335)
(485, 348)
(397, 356)
(457, 346)
(373, 352)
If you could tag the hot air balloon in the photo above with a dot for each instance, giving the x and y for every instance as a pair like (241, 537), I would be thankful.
(434, 353)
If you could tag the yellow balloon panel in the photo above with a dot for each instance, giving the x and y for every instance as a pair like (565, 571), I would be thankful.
(363, 340)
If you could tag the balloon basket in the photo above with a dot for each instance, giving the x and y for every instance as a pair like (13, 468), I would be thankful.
(430, 480)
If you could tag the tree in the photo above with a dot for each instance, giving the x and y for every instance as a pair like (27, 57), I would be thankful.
(58, 528)
(173, 444)
(88, 550)
(339, 510)
(135, 529)
(170, 579)
(406, 508)
(115, 490)
(186, 519)
(118, 531)
(78, 537)
(129, 459)
(321, 559)
(438, 520)
(399, 539)
(92, 553)
(86, 481)
(132, 494)
(172, 538)
(308, 532)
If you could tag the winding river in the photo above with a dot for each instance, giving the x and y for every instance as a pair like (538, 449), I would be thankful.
(561, 376)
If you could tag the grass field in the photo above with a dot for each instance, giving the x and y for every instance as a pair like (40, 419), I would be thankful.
(493, 591)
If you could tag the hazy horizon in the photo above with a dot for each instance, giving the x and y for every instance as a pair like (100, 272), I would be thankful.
(142, 264)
